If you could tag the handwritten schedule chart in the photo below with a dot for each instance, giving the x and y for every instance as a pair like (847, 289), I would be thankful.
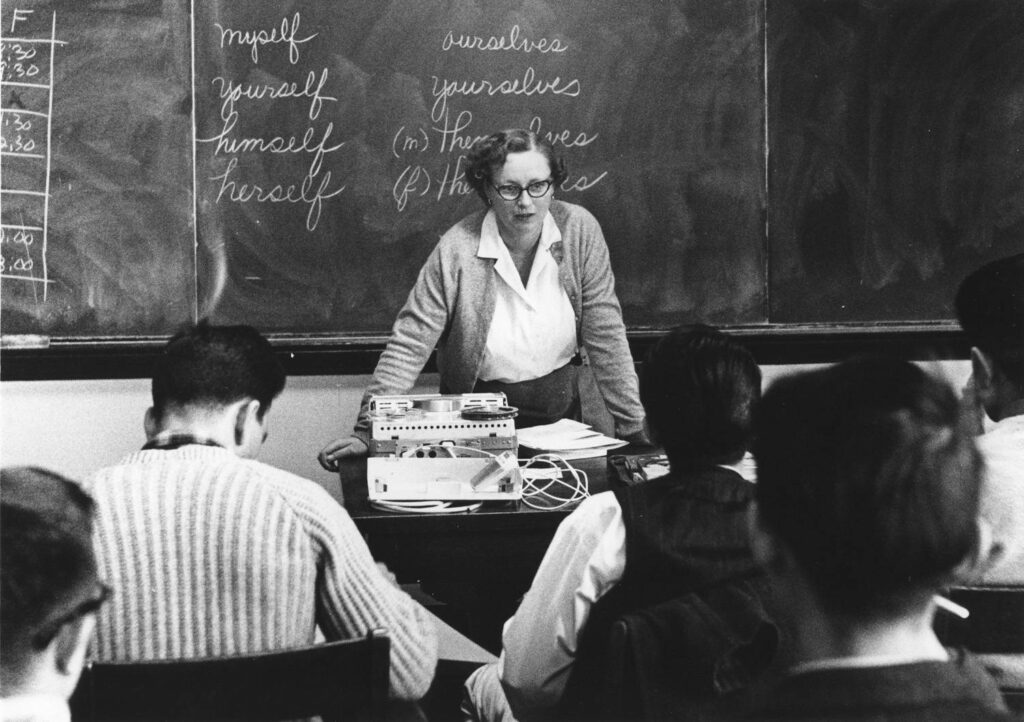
(28, 42)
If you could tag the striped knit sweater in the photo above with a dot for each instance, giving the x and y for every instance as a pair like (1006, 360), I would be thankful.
(210, 554)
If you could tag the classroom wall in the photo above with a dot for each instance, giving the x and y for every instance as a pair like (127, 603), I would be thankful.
(75, 427)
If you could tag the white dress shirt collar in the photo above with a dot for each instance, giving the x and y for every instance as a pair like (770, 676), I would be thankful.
(492, 246)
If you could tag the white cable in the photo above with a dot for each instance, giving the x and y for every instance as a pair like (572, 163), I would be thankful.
(424, 507)
(536, 494)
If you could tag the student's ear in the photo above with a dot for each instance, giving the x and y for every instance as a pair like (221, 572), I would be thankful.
(982, 369)
(986, 552)
(150, 423)
(988, 382)
(70, 646)
(249, 429)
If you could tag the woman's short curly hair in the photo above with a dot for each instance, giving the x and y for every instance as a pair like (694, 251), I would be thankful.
(489, 153)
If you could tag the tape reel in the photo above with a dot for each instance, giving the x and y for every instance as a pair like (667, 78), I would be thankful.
(489, 413)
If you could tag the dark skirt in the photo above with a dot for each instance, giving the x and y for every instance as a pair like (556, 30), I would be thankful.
(542, 400)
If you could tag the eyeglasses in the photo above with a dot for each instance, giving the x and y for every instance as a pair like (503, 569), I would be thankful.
(46, 633)
(511, 191)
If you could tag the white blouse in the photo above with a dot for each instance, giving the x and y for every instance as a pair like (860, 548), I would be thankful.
(533, 331)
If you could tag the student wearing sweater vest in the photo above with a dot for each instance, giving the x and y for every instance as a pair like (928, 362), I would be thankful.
(867, 496)
(631, 548)
(211, 552)
(518, 297)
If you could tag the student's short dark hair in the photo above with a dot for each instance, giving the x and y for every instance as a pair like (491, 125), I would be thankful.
(698, 387)
(868, 472)
(488, 154)
(990, 306)
(47, 564)
(209, 366)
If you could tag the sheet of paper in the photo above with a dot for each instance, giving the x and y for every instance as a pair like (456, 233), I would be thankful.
(562, 429)
(570, 439)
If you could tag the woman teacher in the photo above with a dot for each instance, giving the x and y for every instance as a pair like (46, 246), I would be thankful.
(518, 297)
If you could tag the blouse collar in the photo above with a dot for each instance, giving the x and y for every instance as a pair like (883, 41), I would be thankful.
(491, 245)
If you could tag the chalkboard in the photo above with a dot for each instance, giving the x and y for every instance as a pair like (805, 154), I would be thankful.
(897, 153)
(96, 168)
(657, 108)
(772, 164)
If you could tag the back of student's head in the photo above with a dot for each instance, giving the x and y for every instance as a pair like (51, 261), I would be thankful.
(698, 387)
(869, 476)
(208, 366)
(47, 568)
(990, 306)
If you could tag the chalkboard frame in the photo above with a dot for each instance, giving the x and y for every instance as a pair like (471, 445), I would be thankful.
(302, 355)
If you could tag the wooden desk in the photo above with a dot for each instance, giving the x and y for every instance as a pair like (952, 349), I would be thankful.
(500, 542)
(480, 563)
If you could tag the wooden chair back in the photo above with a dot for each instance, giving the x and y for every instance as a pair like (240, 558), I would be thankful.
(344, 680)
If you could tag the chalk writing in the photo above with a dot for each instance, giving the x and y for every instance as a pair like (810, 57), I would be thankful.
(245, 192)
(278, 144)
(18, 131)
(413, 181)
(453, 183)
(231, 92)
(416, 142)
(564, 138)
(528, 85)
(582, 183)
(26, 108)
(452, 138)
(15, 259)
(451, 132)
(511, 41)
(257, 38)
(315, 141)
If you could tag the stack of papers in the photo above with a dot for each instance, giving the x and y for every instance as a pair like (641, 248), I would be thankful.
(568, 439)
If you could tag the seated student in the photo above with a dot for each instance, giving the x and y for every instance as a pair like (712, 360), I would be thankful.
(867, 493)
(213, 553)
(49, 592)
(990, 306)
(629, 548)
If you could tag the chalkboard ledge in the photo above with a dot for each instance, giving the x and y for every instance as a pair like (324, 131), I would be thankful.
(316, 355)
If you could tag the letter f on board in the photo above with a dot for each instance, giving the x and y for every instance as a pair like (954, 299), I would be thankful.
(18, 15)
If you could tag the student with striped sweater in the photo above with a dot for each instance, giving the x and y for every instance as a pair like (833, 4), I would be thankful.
(210, 552)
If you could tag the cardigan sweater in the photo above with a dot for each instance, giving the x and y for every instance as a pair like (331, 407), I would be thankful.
(209, 554)
(452, 304)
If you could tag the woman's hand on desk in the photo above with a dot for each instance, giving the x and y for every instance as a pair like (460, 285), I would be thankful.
(348, 446)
